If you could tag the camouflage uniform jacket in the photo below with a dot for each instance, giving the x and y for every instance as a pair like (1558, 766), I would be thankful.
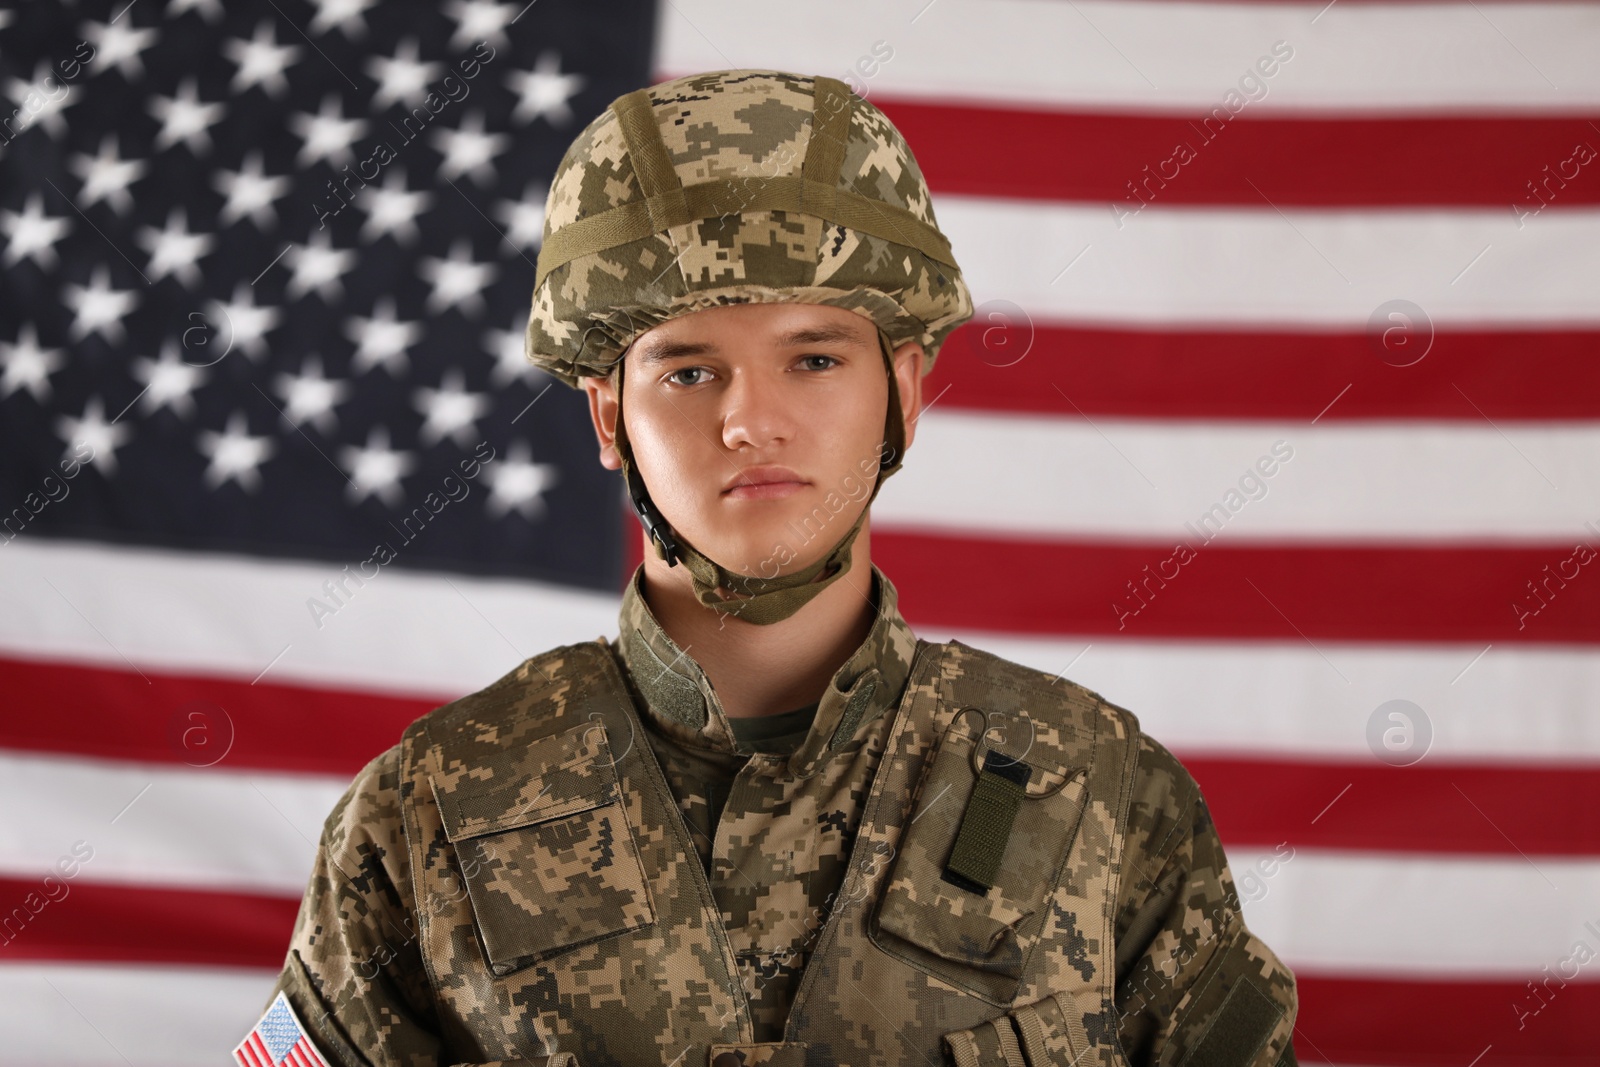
(527, 878)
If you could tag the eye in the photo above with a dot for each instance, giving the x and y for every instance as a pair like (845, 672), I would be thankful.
(675, 380)
(832, 361)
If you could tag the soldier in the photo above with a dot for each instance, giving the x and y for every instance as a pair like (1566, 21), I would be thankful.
(767, 824)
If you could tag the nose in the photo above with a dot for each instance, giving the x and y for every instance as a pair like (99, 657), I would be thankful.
(755, 413)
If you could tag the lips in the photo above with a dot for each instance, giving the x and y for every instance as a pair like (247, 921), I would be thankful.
(765, 474)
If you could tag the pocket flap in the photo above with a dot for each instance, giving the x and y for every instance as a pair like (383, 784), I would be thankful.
(980, 937)
(562, 774)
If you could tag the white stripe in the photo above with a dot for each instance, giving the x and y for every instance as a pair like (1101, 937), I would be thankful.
(71, 1015)
(1259, 265)
(1291, 700)
(403, 632)
(1262, 697)
(1327, 911)
(153, 825)
(1368, 915)
(1065, 476)
(256, 832)
(1104, 54)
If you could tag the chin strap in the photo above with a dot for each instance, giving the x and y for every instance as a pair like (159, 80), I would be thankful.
(760, 599)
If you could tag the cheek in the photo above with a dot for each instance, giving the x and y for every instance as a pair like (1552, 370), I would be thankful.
(667, 450)
(860, 416)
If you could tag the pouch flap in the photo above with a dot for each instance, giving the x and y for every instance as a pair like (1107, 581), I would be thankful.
(1054, 753)
(980, 936)
(561, 774)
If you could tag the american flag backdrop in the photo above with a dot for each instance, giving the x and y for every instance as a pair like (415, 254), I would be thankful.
(1279, 425)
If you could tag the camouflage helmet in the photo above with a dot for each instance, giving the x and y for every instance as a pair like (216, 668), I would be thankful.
(739, 186)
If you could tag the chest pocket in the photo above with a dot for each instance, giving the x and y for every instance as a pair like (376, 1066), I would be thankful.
(969, 892)
(550, 861)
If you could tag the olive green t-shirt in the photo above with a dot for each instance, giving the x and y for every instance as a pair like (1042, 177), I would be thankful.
(777, 734)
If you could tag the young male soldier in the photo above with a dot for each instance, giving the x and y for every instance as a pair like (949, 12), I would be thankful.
(768, 825)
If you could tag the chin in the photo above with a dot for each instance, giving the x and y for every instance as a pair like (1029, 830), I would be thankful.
(768, 548)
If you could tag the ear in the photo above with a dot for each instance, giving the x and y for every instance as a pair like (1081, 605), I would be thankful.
(603, 413)
(909, 359)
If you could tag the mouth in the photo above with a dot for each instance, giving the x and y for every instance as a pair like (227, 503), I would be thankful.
(766, 482)
(764, 491)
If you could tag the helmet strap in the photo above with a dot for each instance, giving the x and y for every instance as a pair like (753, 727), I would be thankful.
(757, 598)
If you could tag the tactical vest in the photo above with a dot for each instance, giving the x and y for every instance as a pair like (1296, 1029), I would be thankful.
(564, 916)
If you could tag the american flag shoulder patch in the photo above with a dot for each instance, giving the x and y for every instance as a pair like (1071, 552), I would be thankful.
(278, 1038)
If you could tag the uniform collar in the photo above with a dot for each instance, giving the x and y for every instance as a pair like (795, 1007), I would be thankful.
(679, 701)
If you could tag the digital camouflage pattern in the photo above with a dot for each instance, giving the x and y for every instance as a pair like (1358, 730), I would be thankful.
(736, 186)
(527, 878)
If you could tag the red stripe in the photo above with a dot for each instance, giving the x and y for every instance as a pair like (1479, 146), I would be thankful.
(172, 718)
(1433, 1023)
(101, 921)
(1002, 361)
(632, 544)
(1298, 593)
(1354, 1021)
(1203, 157)
(253, 1053)
(1428, 807)
(304, 1054)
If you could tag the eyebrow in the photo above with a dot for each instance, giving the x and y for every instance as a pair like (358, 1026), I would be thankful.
(666, 350)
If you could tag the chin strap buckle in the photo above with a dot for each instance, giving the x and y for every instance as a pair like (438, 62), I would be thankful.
(655, 524)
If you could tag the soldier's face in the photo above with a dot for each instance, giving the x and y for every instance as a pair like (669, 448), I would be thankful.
(712, 397)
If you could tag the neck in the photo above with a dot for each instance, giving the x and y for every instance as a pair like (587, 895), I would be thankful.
(764, 670)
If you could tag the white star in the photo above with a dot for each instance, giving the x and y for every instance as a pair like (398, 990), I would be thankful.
(457, 281)
(98, 308)
(479, 20)
(107, 176)
(381, 339)
(33, 233)
(515, 484)
(184, 118)
(28, 366)
(102, 437)
(403, 78)
(391, 209)
(311, 397)
(524, 219)
(261, 61)
(318, 266)
(168, 382)
(469, 149)
(246, 325)
(327, 134)
(345, 14)
(175, 250)
(511, 358)
(451, 411)
(249, 192)
(235, 455)
(210, 10)
(375, 470)
(41, 100)
(118, 46)
(544, 90)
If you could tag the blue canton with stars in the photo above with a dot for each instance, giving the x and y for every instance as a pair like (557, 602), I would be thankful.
(278, 1029)
(265, 273)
